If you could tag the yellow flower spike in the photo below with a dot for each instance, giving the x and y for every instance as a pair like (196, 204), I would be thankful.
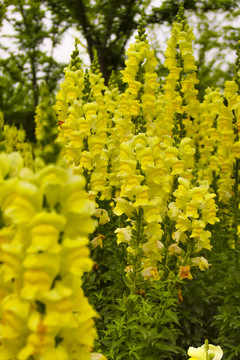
(34, 246)
(230, 90)
(180, 60)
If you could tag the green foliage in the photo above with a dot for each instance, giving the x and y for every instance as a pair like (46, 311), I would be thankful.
(21, 72)
(137, 319)
(46, 128)
(210, 307)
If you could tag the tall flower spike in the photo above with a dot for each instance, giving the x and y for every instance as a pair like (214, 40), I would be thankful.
(71, 90)
(44, 252)
(179, 88)
(46, 128)
(192, 206)
(15, 141)
(84, 133)
(136, 105)
(76, 62)
(95, 67)
(87, 90)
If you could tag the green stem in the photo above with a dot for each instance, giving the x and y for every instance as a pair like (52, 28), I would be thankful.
(236, 205)
(206, 349)
(137, 242)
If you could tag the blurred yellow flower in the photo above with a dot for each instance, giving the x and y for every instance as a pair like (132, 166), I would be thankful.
(200, 353)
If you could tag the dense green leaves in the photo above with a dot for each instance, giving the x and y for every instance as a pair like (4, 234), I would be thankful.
(22, 70)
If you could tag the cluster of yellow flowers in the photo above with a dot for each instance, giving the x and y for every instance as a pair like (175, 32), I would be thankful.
(84, 131)
(45, 222)
(14, 140)
(153, 156)
(137, 148)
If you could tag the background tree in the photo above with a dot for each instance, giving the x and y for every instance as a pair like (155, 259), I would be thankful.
(106, 26)
(22, 71)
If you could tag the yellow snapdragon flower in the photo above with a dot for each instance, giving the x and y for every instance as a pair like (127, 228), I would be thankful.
(199, 353)
(44, 252)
